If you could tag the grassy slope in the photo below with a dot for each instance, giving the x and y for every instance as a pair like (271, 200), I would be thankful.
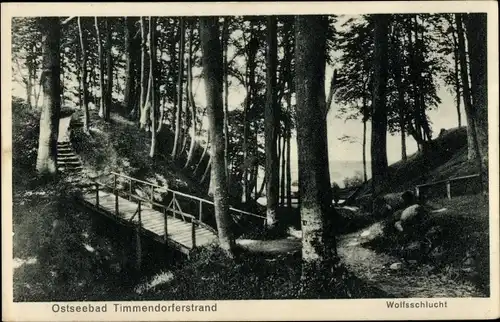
(447, 159)
(466, 221)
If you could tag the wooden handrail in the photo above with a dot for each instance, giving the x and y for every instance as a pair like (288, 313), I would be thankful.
(185, 194)
(448, 180)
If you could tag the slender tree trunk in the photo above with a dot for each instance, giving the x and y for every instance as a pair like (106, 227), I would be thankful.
(206, 172)
(288, 129)
(101, 67)
(109, 66)
(417, 130)
(177, 136)
(283, 171)
(152, 68)
(142, 102)
(191, 100)
(477, 39)
(202, 154)
(129, 62)
(319, 254)
(456, 74)
(46, 162)
(365, 175)
(288, 153)
(271, 120)
(225, 37)
(398, 76)
(85, 94)
(379, 115)
(212, 70)
(250, 73)
(472, 141)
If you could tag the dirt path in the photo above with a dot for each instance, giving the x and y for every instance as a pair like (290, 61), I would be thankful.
(375, 268)
(400, 282)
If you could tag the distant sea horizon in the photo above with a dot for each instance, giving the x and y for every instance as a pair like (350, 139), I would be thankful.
(339, 170)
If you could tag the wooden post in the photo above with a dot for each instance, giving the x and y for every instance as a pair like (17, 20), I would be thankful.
(116, 202)
(173, 204)
(114, 182)
(97, 195)
(201, 211)
(193, 233)
(448, 189)
(152, 195)
(130, 190)
(139, 213)
(165, 223)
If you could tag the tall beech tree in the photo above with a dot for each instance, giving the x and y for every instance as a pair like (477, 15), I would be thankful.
(83, 80)
(379, 107)
(109, 70)
(213, 74)
(178, 112)
(152, 68)
(46, 162)
(271, 120)
(472, 142)
(101, 67)
(477, 40)
(319, 253)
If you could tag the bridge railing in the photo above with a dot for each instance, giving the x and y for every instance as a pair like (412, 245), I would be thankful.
(176, 200)
(154, 187)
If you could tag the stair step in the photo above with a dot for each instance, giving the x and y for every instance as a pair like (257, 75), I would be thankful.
(67, 157)
(69, 165)
(68, 162)
(70, 169)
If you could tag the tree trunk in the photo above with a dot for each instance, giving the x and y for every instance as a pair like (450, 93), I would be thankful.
(319, 253)
(456, 73)
(143, 71)
(129, 62)
(101, 67)
(191, 100)
(109, 66)
(365, 175)
(177, 136)
(398, 76)
(83, 82)
(152, 68)
(250, 73)
(212, 70)
(283, 172)
(202, 154)
(271, 119)
(288, 155)
(379, 115)
(417, 129)
(46, 162)
(225, 37)
(472, 141)
(477, 39)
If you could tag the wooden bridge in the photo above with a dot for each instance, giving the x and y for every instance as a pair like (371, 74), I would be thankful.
(166, 215)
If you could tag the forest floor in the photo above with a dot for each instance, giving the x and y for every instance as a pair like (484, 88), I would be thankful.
(62, 254)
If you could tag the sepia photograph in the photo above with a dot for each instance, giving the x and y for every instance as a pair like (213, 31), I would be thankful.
(163, 163)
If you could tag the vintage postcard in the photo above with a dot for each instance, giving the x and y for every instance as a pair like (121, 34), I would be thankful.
(250, 161)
